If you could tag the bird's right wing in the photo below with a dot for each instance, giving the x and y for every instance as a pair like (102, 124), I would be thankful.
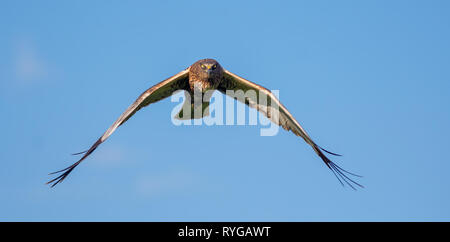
(156, 93)
(277, 113)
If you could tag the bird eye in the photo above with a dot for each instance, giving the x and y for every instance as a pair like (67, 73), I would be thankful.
(203, 66)
(214, 66)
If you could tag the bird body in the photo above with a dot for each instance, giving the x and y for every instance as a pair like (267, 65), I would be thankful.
(197, 80)
(205, 74)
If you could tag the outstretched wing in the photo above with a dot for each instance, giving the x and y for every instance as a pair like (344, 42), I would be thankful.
(277, 113)
(156, 93)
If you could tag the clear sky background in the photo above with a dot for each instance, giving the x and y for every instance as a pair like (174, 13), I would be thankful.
(367, 79)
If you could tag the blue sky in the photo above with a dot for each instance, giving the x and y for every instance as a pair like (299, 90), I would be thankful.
(367, 79)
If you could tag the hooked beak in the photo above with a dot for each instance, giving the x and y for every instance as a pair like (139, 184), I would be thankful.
(208, 69)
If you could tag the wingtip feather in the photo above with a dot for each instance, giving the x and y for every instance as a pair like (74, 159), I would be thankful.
(339, 172)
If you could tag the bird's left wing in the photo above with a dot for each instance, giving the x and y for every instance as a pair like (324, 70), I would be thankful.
(156, 93)
(277, 113)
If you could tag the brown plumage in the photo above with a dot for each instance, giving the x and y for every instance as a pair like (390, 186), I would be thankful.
(208, 74)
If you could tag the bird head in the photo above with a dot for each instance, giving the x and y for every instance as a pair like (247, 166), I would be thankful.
(208, 68)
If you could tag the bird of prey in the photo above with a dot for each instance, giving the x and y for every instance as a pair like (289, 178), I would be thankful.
(204, 75)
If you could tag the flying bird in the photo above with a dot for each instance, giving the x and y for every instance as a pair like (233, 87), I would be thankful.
(206, 75)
